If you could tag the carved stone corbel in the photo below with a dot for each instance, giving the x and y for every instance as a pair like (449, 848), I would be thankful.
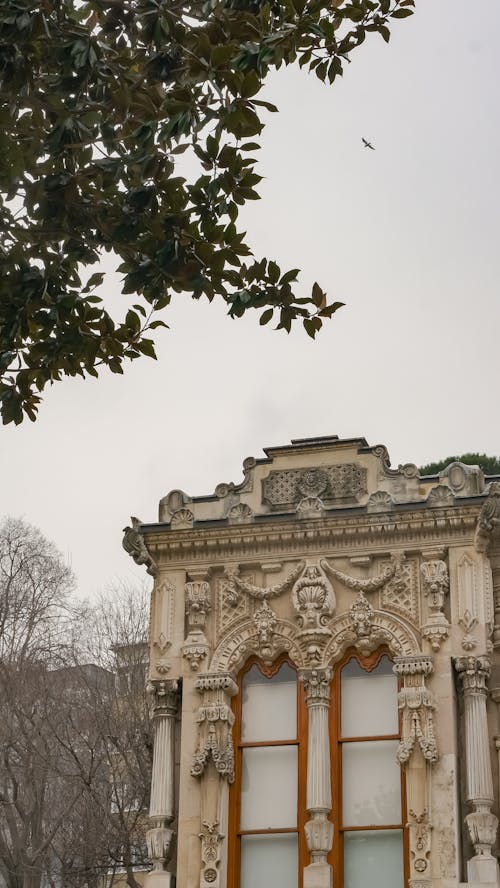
(435, 586)
(482, 824)
(215, 721)
(416, 705)
(134, 545)
(198, 604)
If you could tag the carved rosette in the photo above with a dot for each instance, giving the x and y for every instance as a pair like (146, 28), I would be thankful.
(198, 604)
(215, 721)
(417, 706)
(436, 584)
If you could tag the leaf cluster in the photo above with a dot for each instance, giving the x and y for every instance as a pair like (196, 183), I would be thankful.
(98, 101)
(489, 464)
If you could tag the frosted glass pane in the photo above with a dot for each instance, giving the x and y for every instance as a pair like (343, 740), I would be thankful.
(269, 861)
(369, 700)
(269, 787)
(269, 710)
(374, 859)
(371, 783)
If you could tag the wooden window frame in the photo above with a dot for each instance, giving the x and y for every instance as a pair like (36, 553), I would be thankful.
(336, 857)
(300, 741)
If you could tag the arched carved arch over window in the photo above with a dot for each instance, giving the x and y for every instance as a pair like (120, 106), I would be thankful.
(264, 636)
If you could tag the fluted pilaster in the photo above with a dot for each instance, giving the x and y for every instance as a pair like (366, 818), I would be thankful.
(319, 829)
(482, 824)
(164, 701)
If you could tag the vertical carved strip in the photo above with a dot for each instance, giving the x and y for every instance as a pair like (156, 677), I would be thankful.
(213, 762)
(319, 830)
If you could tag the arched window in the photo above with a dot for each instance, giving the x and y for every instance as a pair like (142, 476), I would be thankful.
(369, 806)
(267, 812)
(267, 802)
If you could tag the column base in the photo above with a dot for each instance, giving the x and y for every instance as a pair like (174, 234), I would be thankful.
(483, 870)
(159, 879)
(318, 875)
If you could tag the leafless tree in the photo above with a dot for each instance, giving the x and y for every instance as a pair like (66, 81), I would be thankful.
(75, 752)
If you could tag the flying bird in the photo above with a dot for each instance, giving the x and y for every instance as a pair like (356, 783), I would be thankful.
(367, 144)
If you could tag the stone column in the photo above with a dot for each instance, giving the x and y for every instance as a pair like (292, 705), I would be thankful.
(165, 698)
(319, 829)
(482, 824)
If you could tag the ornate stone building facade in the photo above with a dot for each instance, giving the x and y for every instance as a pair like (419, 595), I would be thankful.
(324, 675)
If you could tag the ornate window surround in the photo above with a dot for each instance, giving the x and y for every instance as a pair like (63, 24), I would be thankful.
(269, 671)
(326, 685)
(368, 663)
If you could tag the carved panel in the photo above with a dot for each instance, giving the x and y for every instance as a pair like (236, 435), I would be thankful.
(345, 483)
(163, 621)
(400, 594)
(229, 611)
(468, 611)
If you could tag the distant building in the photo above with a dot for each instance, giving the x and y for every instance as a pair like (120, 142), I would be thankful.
(324, 675)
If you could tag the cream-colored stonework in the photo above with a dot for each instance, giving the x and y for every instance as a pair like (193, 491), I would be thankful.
(324, 547)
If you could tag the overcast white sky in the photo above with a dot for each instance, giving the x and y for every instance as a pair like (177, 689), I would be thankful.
(407, 235)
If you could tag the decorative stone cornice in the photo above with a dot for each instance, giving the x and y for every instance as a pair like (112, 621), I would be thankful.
(213, 681)
(419, 664)
(134, 545)
(372, 534)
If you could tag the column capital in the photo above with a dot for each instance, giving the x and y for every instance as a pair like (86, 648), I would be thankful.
(473, 673)
(316, 685)
(164, 696)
